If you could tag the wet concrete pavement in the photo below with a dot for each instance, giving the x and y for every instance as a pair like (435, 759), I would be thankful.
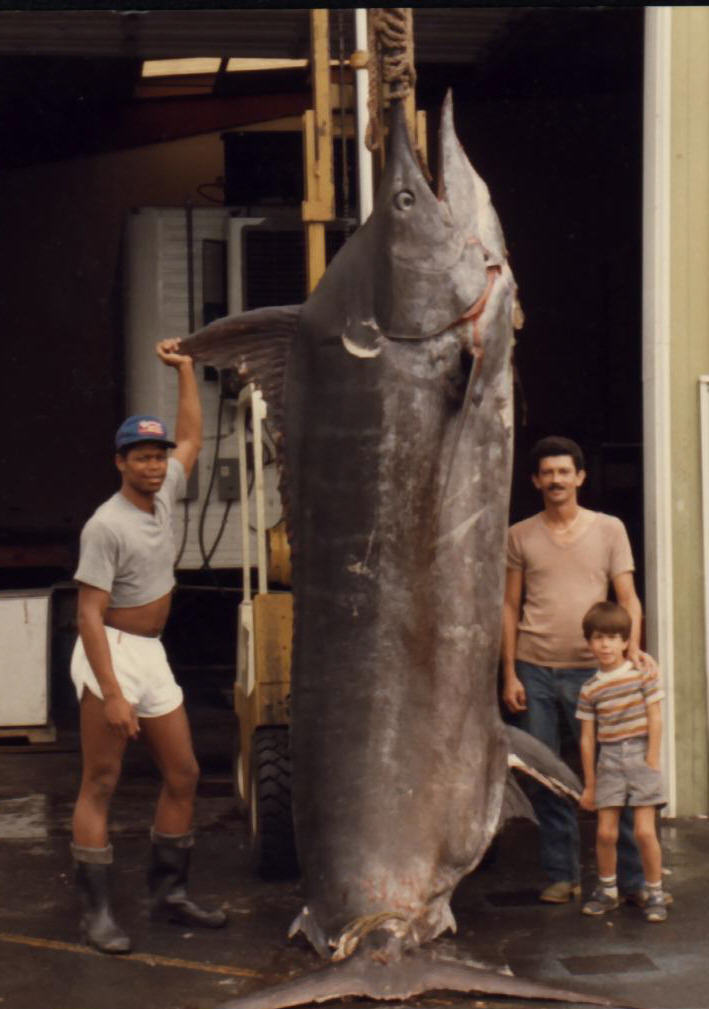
(500, 923)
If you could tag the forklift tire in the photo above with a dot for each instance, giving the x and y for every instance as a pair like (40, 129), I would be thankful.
(271, 819)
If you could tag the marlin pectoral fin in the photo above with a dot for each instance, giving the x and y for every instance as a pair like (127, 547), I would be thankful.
(413, 974)
(256, 343)
(532, 757)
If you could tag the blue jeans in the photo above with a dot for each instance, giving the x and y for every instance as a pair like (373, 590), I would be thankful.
(548, 689)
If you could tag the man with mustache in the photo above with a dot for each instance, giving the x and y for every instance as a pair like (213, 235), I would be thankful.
(559, 563)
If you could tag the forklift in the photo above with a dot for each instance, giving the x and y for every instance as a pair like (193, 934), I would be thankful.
(262, 772)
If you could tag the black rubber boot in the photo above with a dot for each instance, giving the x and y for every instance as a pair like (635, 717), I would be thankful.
(92, 873)
(167, 882)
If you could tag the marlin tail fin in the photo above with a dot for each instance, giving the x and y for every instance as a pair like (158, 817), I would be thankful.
(411, 975)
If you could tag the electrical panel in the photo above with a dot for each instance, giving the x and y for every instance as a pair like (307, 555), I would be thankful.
(227, 480)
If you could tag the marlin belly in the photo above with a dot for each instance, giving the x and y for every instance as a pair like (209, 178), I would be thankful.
(400, 766)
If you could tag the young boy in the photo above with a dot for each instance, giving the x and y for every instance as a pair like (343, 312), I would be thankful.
(620, 705)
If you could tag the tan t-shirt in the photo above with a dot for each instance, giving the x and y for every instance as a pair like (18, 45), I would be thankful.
(561, 582)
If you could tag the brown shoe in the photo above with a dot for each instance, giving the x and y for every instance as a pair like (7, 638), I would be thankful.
(560, 892)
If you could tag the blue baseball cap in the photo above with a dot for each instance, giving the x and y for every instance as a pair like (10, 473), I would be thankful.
(142, 427)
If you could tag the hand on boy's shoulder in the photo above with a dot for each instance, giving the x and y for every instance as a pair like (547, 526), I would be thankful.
(642, 661)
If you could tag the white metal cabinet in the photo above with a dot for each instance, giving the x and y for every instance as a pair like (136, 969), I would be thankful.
(24, 658)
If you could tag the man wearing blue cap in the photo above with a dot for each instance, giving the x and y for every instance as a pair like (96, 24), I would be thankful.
(119, 668)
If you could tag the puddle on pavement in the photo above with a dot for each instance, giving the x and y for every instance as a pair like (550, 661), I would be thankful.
(24, 819)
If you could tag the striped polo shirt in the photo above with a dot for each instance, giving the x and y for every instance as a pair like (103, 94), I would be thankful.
(618, 702)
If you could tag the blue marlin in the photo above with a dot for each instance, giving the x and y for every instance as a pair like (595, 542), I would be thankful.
(391, 390)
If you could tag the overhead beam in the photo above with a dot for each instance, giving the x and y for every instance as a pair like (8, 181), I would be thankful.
(154, 122)
(158, 121)
(180, 68)
(443, 35)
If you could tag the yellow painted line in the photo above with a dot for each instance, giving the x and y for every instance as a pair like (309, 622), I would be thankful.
(151, 959)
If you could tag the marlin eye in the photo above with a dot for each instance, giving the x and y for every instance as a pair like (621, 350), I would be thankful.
(404, 199)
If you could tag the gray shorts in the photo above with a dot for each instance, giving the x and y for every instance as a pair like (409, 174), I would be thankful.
(623, 776)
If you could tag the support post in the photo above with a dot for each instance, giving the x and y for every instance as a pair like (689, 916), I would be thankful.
(657, 398)
(364, 156)
(319, 203)
(410, 99)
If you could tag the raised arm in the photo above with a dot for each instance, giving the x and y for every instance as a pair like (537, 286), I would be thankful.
(513, 693)
(188, 428)
(92, 605)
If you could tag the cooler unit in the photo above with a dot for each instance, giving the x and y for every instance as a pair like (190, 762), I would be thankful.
(185, 268)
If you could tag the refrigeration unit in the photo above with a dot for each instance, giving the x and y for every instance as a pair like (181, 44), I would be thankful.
(185, 267)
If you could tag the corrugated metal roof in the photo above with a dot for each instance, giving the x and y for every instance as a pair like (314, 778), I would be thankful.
(442, 35)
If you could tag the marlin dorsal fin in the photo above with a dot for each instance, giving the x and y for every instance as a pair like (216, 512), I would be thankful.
(256, 343)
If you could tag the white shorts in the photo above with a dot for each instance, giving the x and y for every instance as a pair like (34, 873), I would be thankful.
(142, 671)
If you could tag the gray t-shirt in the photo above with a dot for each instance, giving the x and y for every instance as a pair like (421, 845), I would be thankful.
(131, 553)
